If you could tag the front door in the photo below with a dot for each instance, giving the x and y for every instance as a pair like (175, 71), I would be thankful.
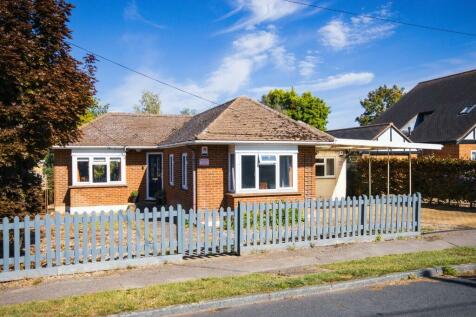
(154, 174)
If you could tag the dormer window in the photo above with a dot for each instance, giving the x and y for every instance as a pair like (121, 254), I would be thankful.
(467, 109)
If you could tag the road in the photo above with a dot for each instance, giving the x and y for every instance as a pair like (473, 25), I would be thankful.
(424, 297)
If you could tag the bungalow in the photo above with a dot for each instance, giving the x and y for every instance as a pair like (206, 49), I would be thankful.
(238, 151)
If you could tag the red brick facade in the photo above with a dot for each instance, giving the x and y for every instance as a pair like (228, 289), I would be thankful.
(211, 181)
(461, 151)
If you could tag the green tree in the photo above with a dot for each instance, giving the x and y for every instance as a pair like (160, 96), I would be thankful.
(306, 107)
(95, 110)
(148, 103)
(44, 92)
(378, 101)
(188, 112)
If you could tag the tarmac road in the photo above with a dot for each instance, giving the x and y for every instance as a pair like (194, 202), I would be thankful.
(438, 296)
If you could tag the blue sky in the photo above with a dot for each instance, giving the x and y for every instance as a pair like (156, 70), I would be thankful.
(222, 49)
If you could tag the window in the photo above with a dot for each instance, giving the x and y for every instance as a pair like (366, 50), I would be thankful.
(115, 169)
(171, 169)
(467, 109)
(231, 172)
(325, 167)
(286, 171)
(263, 171)
(184, 171)
(97, 169)
(248, 165)
(267, 171)
(83, 169)
(473, 155)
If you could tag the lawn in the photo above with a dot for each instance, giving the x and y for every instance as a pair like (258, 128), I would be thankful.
(105, 303)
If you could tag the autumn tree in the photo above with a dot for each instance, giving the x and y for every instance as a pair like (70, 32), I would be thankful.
(148, 103)
(305, 107)
(188, 112)
(378, 101)
(44, 92)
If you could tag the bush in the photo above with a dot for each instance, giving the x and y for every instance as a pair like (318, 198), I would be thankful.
(435, 178)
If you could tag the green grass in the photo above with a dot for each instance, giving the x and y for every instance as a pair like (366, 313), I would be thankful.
(105, 303)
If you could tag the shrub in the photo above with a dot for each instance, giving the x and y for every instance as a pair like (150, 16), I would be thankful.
(435, 178)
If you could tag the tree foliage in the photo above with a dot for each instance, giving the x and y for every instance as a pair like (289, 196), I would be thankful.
(188, 112)
(378, 101)
(44, 92)
(148, 103)
(306, 107)
(95, 110)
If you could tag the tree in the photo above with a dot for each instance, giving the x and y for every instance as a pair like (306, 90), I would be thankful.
(148, 103)
(95, 110)
(188, 112)
(44, 92)
(378, 101)
(306, 107)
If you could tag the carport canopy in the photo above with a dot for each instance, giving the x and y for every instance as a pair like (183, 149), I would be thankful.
(372, 145)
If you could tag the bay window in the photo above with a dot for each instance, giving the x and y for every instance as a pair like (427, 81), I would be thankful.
(262, 169)
(91, 168)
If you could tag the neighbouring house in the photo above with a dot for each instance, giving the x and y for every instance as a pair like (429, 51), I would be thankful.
(386, 132)
(441, 110)
(238, 151)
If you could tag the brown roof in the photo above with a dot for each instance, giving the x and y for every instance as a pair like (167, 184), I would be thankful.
(126, 129)
(240, 119)
(244, 119)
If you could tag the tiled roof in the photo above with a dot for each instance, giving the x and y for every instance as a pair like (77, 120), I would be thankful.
(442, 99)
(245, 119)
(240, 119)
(368, 132)
(129, 129)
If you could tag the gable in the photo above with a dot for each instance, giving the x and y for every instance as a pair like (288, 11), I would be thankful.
(434, 110)
(391, 134)
(470, 136)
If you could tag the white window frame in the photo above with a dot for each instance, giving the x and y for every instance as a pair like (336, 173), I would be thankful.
(471, 155)
(231, 173)
(171, 170)
(90, 155)
(258, 151)
(184, 171)
(325, 166)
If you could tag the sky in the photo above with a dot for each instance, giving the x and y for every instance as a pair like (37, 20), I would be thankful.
(222, 49)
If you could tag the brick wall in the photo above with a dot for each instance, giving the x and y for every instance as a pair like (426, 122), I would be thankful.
(462, 151)
(67, 195)
(175, 194)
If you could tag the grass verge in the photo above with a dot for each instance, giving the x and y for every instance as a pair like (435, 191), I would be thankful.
(111, 302)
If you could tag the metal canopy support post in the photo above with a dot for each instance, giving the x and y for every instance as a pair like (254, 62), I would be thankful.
(410, 172)
(370, 174)
(388, 172)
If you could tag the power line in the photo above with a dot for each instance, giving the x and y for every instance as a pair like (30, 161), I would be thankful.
(142, 74)
(421, 26)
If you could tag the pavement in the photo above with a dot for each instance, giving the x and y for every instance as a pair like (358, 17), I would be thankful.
(219, 266)
(436, 296)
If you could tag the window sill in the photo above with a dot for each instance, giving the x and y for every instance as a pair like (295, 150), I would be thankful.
(325, 177)
(257, 194)
(97, 186)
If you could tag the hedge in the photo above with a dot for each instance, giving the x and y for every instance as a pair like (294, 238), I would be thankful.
(435, 178)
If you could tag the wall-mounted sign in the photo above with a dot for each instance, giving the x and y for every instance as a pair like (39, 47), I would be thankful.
(204, 162)
(204, 151)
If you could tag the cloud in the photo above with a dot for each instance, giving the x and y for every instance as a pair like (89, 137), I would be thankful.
(260, 11)
(325, 84)
(248, 53)
(339, 34)
(307, 66)
(131, 13)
